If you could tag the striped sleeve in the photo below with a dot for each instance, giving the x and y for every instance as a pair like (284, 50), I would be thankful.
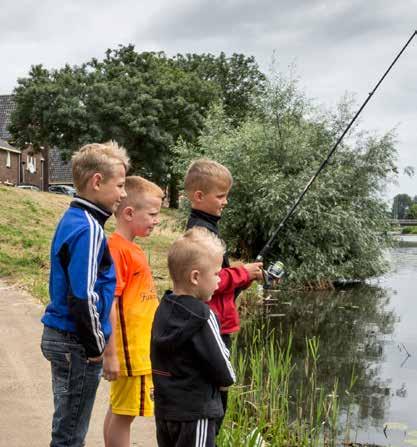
(83, 299)
(214, 355)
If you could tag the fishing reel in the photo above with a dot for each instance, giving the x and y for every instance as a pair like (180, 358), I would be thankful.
(273, 274)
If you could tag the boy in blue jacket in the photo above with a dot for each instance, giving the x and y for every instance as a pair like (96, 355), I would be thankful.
(190, 362)
(81, 287)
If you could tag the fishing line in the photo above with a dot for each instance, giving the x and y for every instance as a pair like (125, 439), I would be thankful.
(290, 212)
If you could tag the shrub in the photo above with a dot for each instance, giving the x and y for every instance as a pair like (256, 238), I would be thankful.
(339, 229)
(409, 230)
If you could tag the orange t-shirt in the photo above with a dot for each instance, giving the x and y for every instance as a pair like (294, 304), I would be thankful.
(136, 306)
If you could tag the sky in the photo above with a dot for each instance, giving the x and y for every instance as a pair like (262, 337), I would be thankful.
(337, 47)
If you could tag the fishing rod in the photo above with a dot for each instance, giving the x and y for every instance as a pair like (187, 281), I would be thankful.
(275, 270)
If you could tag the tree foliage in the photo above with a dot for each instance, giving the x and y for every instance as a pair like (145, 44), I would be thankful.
(238, 77)
(145, 101)
(400, 206)
(412, 211)
(337, 231)
(140, 100)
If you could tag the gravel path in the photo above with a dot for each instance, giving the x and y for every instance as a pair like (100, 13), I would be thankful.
(25, 382)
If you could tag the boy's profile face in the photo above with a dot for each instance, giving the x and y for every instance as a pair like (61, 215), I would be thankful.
(110, 192)
(208, 277)
(145, 218)
(211, 202)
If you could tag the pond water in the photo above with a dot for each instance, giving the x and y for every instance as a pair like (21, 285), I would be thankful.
(373, 329)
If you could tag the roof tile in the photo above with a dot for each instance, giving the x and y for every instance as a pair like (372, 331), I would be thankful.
(7, 106)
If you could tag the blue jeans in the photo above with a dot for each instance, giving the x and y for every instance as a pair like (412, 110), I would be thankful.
(74, 385)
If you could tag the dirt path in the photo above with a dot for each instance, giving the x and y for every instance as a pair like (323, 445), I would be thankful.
(25, 382)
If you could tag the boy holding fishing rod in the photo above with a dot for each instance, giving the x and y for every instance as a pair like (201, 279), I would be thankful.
(207, 185)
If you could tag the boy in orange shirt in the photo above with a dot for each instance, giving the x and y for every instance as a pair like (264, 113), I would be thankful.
(127, 357)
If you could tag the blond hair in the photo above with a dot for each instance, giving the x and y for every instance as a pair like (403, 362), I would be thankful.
(97, 158)
(191, 251)
(136, 188)
(206, 175)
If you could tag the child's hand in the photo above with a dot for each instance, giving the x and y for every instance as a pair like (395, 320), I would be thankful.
(254, 270)
(111, 367)
(95, 359)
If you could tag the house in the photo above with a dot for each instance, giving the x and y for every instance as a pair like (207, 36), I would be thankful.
(34, 168)
(19, 165)
(9, 164)
(24, 165)
(9, 155)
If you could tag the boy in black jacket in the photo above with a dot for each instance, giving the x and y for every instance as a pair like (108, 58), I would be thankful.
(189, 359)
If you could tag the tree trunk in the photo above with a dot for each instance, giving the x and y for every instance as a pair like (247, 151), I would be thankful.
(173, 192)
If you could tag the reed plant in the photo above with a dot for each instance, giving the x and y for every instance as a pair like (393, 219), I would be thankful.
(263, 408)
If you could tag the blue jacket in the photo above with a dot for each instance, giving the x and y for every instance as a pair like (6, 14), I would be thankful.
(82, 278)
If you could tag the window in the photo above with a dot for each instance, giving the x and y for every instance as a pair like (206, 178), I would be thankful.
(31, 164)
(8, 161)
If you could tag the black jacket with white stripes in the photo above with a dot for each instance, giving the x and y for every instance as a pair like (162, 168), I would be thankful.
(189, 360)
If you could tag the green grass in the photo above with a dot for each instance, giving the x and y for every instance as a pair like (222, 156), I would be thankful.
(27, 224)
(263, 406)
(409, 230)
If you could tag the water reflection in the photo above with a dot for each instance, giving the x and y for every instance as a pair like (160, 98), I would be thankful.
(349, 325)
(369, 329)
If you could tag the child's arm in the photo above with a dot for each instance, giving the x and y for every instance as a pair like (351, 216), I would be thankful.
(232, 278)
(111, 365)
(213, 356)
(82, 299)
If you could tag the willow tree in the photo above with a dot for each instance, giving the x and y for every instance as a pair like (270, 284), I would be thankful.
(339, 230)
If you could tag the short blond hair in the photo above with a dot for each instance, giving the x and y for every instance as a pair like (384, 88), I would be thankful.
(191, 251)
(206, 175)
(136, 188)
(95, 157)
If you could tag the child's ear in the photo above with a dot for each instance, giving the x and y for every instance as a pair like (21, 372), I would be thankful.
(96, 181)
(198, 196)
(194, 275)
(128, 213)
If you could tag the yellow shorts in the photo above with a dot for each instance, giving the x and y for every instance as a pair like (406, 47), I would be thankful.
(132, 396)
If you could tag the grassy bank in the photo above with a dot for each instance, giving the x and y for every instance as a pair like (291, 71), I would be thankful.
(27, 224)
(409, 230)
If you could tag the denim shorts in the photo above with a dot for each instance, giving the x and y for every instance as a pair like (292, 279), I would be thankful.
(74, 385)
